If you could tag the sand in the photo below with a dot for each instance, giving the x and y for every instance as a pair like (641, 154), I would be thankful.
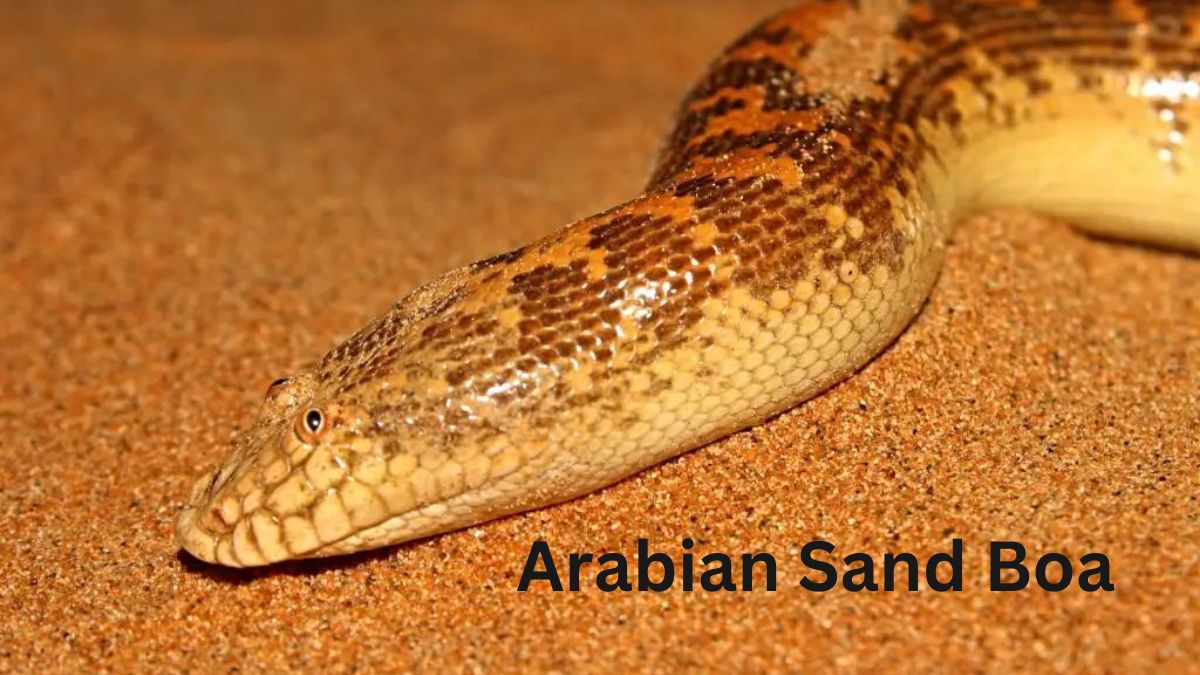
(196, 201)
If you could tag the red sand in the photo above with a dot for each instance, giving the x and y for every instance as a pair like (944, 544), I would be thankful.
(195, 202)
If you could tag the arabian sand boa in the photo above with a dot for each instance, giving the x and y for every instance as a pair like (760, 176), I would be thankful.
(793, 227)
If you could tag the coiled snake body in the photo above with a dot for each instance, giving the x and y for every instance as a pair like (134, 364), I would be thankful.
(793, 227)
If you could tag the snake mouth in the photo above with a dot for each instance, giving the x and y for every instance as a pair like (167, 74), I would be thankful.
(220, 525)
(241, 548)
(237, 548)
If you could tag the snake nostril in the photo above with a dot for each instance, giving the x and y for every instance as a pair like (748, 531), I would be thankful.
(219, 478)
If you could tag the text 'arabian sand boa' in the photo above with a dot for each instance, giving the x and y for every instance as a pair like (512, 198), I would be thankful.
(793, 227)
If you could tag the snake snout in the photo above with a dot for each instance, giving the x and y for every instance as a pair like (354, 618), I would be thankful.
(231, 517)
(206, 520)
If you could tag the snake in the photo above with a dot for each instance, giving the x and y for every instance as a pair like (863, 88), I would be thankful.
(793, 226)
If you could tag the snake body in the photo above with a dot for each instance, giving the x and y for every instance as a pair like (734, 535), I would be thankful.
(793, 227)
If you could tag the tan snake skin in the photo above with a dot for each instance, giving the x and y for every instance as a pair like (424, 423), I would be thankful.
(794, 226)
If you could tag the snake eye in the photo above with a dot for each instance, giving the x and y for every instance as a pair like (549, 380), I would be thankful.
(309, 426)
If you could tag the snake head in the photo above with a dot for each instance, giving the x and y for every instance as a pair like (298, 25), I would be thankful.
(431, 418)
(278, 493)
(364, 451)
